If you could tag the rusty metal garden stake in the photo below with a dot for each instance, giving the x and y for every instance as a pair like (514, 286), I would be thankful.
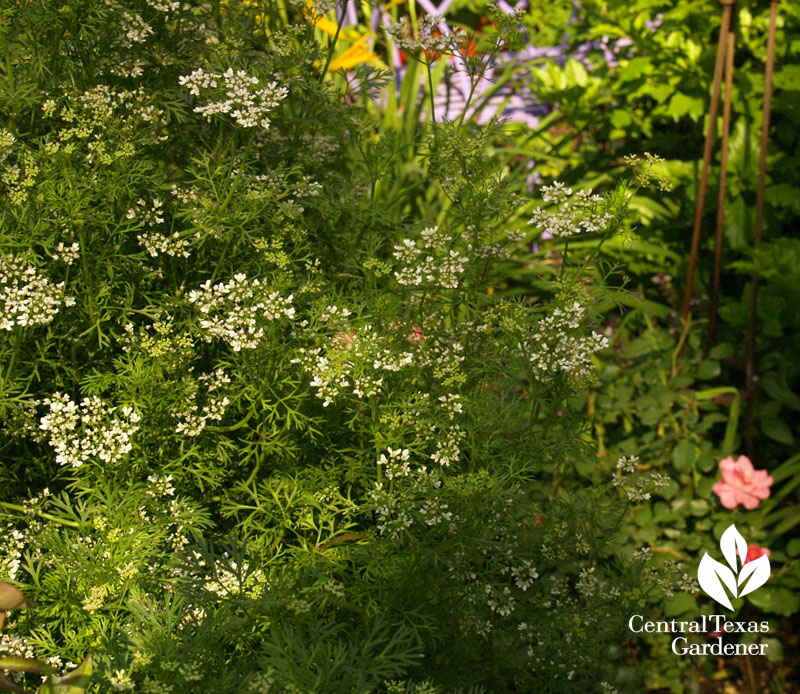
(727, 11)
(723, 182)
(750, 375)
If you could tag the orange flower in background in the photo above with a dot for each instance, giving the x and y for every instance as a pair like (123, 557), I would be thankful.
(468, 47)
(433, 55)
(741, 483)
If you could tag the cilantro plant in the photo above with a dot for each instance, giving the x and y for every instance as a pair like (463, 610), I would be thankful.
(266, 425)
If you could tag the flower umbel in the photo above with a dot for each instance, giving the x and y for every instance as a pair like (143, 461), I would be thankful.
(571, 214)
(235, 93)
(26, 296)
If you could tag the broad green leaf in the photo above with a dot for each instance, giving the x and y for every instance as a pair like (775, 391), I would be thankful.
(680, 603)
(635, 68)
(683, 456)
(26, 665)
(788, 77)
(681, 105)
(73, 683)
(775, 599)
(708, 369)
(777, 429)
(576, 73)
(621, 118)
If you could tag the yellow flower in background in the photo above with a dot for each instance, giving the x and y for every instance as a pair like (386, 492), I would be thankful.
(356, 53)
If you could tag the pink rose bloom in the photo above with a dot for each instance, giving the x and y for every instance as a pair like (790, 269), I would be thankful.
(416, 334)
(741, 483)
(755, 552)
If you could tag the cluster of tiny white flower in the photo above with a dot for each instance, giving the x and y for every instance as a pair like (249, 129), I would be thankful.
(500, 601)
(11, 557)
(524, 575)
(434, 264)
(90, 430)
(150, 215)
(20, 646)
(157, 242)
(135, 29)
(128, 571)
(233, 310)
(638, 488)
(193, 419)
(239, 95)
(333, 587)
(627, 464)
(7, 139)
(588, 584)
(27, 297)
(19, 178)
(129, 66)
(96, 599)
(572, 214)
(396, 464)
(429, 38)
(189, 671)
(262, 682)
(333, 314)
(164, 5)
(449, 440)
(121, 681)
(67, 254)
(442, 351)
(230, 580)
(352, 362)
(93, 114)
(552, 349)
(160, 485)
(413, 500)
(669, 577)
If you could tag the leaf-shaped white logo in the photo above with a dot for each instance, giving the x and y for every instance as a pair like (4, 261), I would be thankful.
(714, 577)
(758, 572)
(711, 575)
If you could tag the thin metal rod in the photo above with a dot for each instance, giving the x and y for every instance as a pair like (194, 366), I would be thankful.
(727, 10)
(723, 183)
(750, 374)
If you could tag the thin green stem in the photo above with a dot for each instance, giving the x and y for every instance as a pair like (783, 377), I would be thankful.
(41, 514)
(430, 91)
(473, 86)
(11, 90)
(218, 17)
(373, 405)
(332, 47)
(16, 342)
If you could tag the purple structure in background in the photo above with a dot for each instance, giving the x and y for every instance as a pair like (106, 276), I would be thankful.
(518, 104)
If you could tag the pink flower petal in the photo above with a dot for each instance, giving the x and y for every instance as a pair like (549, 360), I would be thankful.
(726, 494)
